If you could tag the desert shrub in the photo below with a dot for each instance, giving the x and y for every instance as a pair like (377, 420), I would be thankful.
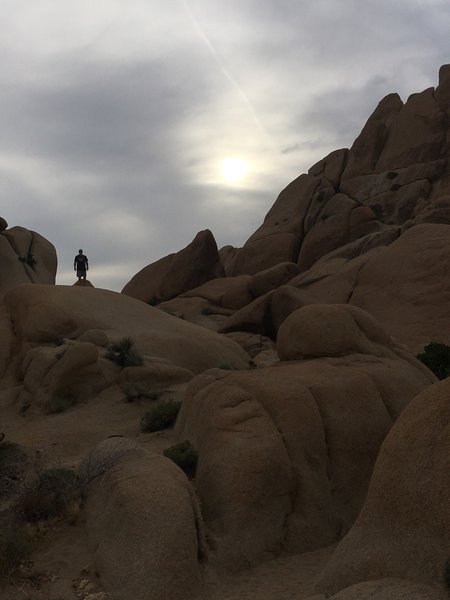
(123, 354)
(184, 455)
(59, 402)
(161, 416)
(391, 174)
(48, 494)
(395, 187)
(12, 465)
(135, 390)
(252, 365)
(226, 367)
(436, 357)
(28, 259)
(15, 546)
(207, 311)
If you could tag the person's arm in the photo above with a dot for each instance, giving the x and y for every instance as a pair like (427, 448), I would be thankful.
(87, 264)
(75, 264)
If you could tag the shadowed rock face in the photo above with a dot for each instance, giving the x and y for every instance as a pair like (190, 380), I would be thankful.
(26, 257)
(144, 524)
(178, 273)
(54, 338)
(396, 167)
(286, 452)
(404, 527)
(367, 226)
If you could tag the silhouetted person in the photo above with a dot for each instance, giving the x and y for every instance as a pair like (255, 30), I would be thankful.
(81, 265)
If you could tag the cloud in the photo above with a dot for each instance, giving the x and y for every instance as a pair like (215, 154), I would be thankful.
(115, 117)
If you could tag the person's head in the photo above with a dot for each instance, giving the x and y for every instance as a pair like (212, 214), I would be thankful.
(80, 251)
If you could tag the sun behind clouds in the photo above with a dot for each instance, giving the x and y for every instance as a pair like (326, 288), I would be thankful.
(233, 169)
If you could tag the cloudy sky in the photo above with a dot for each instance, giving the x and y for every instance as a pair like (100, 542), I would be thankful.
(118, 118)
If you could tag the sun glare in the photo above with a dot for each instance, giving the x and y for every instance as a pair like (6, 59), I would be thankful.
(233, 169)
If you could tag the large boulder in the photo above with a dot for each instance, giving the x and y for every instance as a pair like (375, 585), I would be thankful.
(286, 452)
(403, 529)
(26, 257)
(403, 285)
(144, 524)
(396, 167)
(177, 273)
(37, 317)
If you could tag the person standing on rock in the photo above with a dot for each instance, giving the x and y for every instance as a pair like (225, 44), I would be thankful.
(81, 265)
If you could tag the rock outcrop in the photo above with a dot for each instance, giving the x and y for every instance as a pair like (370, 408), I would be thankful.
(144, 524)
(404, 527)
(26, 257)
(177, 273)
(395, 169)
(286, 452)
(54, 341)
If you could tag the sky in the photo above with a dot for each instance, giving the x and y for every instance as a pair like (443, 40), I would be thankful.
(127, 126)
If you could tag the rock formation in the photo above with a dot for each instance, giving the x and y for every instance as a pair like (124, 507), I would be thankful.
(178, 273)
(144, 524)
(404, 528)
(293, 359)
(54, 338)
(26, 257)
(366, 226)
(286, 452)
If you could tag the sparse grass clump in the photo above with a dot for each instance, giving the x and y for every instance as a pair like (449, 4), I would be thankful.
(60, 402)
(123, 354)
(135, 390)
(161, 416)
(226, 367)
(184, 455)
(436, 357)
(48, 494)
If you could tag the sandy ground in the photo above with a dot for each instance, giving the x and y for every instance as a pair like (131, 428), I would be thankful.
(62, 560)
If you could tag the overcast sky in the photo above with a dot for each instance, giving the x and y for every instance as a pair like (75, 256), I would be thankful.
(116, 115)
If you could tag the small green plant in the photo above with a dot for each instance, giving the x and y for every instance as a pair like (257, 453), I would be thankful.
(252, 365)
(226, 367)
(395, 187)
(60, 402)
(184, 455)
(48, 495)
(161, 416)
(28, 259)
(154, 301)
(123, 354)
(207, 311)
(15, 547)
(436, 357)
(136, 390)
(391, 174)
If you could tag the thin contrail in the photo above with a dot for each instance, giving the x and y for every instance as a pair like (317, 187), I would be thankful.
(224, 70)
